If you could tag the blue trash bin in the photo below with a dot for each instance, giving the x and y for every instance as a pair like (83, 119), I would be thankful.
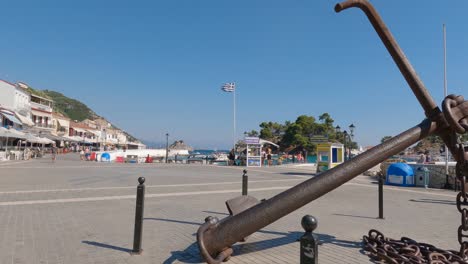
(105, 156)
(400, 174)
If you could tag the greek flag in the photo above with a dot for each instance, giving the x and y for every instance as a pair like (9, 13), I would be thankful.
(228, 87)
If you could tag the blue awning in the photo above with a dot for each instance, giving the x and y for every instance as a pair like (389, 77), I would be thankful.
(11, 117)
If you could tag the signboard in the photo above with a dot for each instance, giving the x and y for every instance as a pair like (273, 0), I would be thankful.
(252, 140)
(318, 139)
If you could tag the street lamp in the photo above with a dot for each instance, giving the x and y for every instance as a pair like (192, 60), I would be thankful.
(167, 145)
(338, 129)
(351, 129)
(347, 138)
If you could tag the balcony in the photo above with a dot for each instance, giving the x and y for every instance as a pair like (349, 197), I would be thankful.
(46, 126)
(41, 107)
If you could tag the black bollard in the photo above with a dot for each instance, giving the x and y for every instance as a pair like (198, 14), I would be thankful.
(381, 181)
(140, 202)
(309, 242)
(245, 182)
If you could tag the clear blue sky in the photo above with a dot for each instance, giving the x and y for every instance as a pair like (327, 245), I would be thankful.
(153, 67)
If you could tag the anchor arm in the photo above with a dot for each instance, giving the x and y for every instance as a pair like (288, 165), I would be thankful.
(431, 110)
(408, 72)
(215, 238)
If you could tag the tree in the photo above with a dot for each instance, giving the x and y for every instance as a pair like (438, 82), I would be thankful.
(252, 133)
(326, 119)
(272, 131)
(298, 133)
(385, 138)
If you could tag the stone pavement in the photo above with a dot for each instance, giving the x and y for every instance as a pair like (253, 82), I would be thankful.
(83, 212)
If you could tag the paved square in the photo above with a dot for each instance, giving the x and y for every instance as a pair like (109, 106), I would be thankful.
(73, 211)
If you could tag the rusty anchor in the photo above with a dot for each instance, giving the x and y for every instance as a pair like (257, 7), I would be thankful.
(216, 237)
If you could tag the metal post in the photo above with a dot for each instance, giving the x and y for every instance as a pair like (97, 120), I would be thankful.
(381, 180)
(140, 201)
(167, 145)
(344, 145)
(309, 242)
(426, 177)
(245, 182)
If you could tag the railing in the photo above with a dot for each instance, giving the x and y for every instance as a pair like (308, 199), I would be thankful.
(41, 107)
(44, 125)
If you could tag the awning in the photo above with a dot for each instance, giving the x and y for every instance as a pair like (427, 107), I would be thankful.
(10, 117)
(93, 132)
(263, 142)
(24, 119)
(79, 129)
(71, 139)
(53, 137)
(32, 139)
(11, 133)
(46, 141)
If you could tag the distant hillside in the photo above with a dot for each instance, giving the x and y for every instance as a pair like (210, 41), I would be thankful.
(71, 108)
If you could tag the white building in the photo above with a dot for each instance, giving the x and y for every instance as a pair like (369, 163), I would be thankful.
(61, 124)
(18, 100)
(41, 111)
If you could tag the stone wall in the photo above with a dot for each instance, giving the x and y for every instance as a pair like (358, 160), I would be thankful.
(436, 173)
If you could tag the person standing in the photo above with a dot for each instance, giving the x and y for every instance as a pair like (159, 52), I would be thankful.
(231, 157)
(270, 162)
(263, 157)
(54, 153)
(422, 158)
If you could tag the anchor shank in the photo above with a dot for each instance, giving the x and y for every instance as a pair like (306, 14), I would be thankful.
(411, 77)
(232, 229)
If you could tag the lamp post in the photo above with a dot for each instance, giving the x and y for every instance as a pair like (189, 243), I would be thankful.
(167, 145)
(351, 134)
(104, 137)
(347, 137)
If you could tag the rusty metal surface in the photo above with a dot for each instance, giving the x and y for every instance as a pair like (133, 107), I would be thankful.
(230, 230)
(216, 237)
(240, 203)
(397, 54)
(406, 250)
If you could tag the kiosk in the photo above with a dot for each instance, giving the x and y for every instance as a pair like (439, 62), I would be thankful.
(254, 152)
(329, 155)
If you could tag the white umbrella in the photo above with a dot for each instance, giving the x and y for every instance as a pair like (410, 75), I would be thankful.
(10, 133)
(33, 139)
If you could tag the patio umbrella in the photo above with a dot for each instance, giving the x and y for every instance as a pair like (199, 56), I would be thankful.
(10, 133)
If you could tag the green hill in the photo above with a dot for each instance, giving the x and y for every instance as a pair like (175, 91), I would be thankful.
(71, 108)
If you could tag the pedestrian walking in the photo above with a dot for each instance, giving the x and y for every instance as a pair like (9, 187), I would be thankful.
(54, 153)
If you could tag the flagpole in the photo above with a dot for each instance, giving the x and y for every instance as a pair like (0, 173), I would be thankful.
(445, 93)
(234, 103)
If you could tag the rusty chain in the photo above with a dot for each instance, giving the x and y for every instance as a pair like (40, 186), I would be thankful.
(461, 171)
(406, 250)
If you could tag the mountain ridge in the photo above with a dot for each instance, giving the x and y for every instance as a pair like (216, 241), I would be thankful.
(72, 108)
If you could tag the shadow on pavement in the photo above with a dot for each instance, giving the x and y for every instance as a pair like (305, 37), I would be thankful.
(299, 173)
(291, 237)
(212, 212)
(191, 253)
(98, 244)
(358, 216)
(423, 200)
(172, 221)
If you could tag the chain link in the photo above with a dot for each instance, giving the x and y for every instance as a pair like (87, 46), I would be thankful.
(461, 171)
(407, 250)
